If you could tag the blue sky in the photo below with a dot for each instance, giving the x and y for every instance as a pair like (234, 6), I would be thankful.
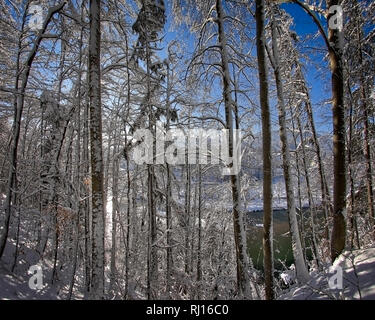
(316, 70)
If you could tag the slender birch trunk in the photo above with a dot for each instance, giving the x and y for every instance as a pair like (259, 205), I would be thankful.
(243, 280)
(312, 208)
(301, 269)
(326, 199)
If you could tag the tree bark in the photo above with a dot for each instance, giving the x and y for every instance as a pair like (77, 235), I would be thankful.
(199, 248)
(309, 193)
(301, 269)
(338, 237)
(365, 115)
(267, 156)
(243, 280)
(168, 199)
(97, 199)
(326, 200)
(115, 213)
(352, 213)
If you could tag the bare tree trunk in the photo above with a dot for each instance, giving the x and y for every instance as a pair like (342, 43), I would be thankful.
(55, 164)
(326, 201)
(199, 248)
(97, 200)
(152, 251)
(17, 239)
(301, 269)
(267, 156)
(16, 86)
(309, 194)
(80, 175)
(194, 213)
(152, 265)
(187, 211)
(168, 199)
(366, 142)
(243, 280)
(115, 213)
(338, 238)
(352, 213)
(298, 169)
(129, 222)
(86, 206)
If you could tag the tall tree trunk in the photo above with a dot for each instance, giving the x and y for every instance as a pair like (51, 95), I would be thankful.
(152, 265)
(187, 210)
(17, 239)
(326, 199)
(309, 193)
(352, 214)
(152, 250)
(16, 86)
(80, 175)
(365, 115)
(129, 222)
(298, 172)
(115, 213)
(199, 248)
(301, 269)
(55, 164)
(267, 156)
(87, 203)
(168, 199)
(338, 237)
(243, 280)
(97, 199)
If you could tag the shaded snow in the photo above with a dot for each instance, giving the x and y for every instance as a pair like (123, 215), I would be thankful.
(16, 286)
(358, 279)
(13, 287)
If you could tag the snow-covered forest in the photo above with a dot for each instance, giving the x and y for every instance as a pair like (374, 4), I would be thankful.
(187, 149)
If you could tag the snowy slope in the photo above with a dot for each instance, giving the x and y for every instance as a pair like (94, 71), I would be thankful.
(358, 274)
(13, 287)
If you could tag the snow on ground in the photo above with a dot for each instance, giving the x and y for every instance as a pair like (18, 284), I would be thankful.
(16, 286)
(358, 279)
